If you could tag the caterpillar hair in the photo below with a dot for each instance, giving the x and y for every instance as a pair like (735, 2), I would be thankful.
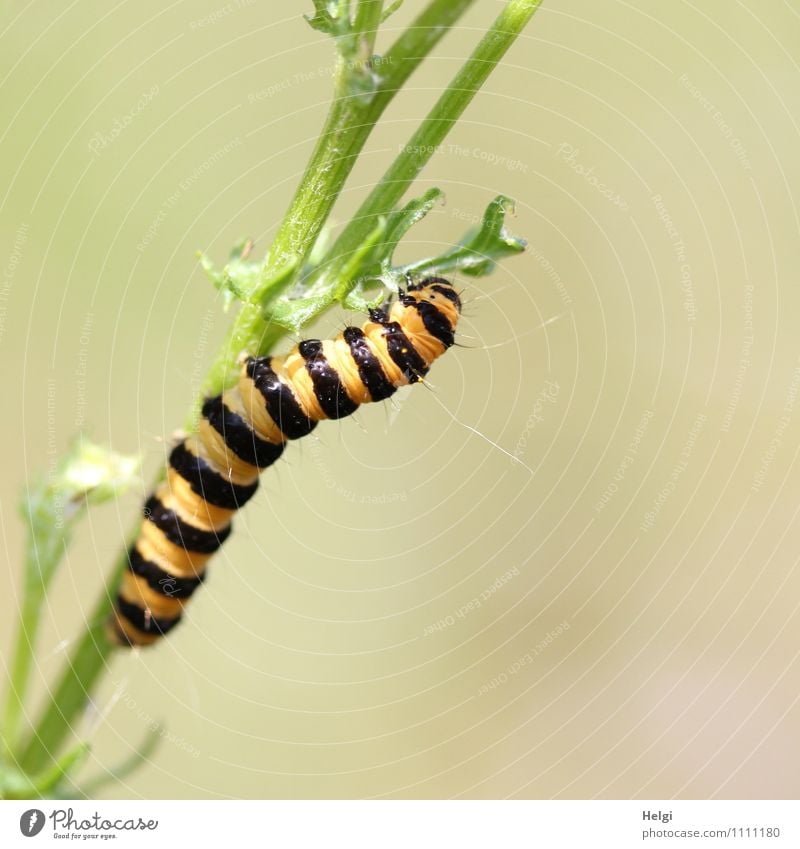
(213, 472)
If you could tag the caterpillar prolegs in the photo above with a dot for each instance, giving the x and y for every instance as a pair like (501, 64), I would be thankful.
(213, 472)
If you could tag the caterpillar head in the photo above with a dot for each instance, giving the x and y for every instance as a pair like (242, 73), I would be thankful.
(437, 289)
(428, 311)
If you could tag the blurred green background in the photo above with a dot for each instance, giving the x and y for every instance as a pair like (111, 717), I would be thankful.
(635, 567)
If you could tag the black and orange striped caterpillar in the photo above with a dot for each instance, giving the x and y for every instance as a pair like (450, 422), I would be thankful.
(213, 472)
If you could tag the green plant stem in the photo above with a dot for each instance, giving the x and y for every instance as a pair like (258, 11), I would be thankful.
(20, 672)
(82, 670)
(19, 785)
(48, 536)
(425, 141)
(350, 121)
(367, 21)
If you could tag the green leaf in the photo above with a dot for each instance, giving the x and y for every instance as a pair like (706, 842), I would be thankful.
(87, 474)
(242, 279)
(370, 266)
(358, 300)
(95, 473)
(479, 251)
(238, 278)
(475, 255)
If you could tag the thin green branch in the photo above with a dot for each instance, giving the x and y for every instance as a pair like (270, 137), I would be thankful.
(88, 474)
(367, 21)
(350, 122)
(83, 668)
(41, 563)
(426, 140)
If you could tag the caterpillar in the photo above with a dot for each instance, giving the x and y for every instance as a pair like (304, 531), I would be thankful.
(215, 471)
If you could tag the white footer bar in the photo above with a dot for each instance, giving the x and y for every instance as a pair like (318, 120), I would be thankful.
(402, 824)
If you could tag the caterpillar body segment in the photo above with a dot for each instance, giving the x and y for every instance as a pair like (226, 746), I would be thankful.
(214, 472)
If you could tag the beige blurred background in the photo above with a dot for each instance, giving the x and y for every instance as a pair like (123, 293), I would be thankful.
(635, 567)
